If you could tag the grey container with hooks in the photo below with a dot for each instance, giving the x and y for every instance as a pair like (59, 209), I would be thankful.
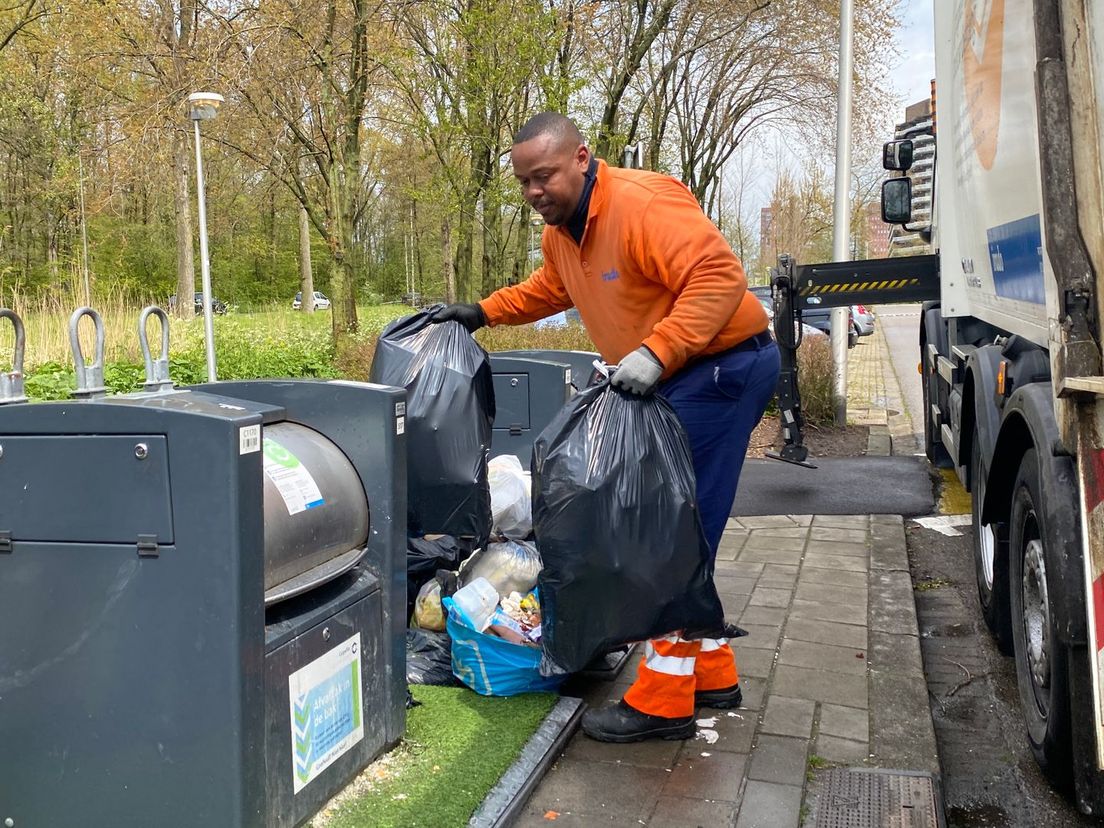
(179, 634)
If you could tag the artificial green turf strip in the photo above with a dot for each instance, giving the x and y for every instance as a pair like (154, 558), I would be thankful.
(457, 746)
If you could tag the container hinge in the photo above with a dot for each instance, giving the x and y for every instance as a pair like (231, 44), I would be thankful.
(515, 430)
(147, 546)
(5, 542)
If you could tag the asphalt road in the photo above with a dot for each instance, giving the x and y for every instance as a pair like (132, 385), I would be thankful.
(989, 775)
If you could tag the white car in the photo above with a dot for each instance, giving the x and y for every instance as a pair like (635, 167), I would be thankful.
(321, 301)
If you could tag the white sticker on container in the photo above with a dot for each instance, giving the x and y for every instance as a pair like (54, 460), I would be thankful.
(249, 439)
(291, 478)
(400, 409)
(400, 425)
(327, 717)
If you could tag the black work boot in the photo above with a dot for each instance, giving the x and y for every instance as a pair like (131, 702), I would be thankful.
(622, 723)
(722, 698)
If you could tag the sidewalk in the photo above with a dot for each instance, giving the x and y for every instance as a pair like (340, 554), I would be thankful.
(830, 669)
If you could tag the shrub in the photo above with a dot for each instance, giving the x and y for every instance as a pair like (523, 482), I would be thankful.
(814, 377)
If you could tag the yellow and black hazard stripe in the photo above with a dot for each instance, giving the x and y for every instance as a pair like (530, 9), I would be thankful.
(857, 287)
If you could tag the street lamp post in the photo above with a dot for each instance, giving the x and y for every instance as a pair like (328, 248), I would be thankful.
(202, 106)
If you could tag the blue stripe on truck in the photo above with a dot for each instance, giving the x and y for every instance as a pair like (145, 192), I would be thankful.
(1016, 256)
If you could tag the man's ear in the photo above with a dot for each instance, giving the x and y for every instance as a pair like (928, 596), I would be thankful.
(582, 157)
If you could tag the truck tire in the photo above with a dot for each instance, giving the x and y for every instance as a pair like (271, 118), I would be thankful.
(1041, 660)
(990, 557)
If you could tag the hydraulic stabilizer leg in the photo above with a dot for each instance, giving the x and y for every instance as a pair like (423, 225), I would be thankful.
(787, 332)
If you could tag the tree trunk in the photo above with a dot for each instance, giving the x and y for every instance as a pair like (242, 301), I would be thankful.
(522, 263)
(306, 276)
(185, 263)
(446, 260)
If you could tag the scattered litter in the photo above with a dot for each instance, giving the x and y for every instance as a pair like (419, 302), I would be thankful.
(710, 722)
(732, 715)
(706, 754)
(710, 736)
(550, 815)
(399, 796)
(945, 524)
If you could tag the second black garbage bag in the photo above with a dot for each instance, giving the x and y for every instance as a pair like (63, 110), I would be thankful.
(449, 413)
(616, 521)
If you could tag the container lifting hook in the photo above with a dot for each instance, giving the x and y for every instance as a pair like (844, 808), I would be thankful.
(11, 382)
(157, 370)
(90, 377)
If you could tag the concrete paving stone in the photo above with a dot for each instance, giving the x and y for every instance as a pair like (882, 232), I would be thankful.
(822, 657)
(832, 593)
(887, 547)
(773, 544)
(600, 789)
(846, 563)
(841, 521)
(733, 604)
(783, 532)
(830, 547)
(735, 729)
(751, 662)
(788, 717)
(733, 585)
(766, 597)
(901, 730)
(772, 583)
(842, 751)
(879, 445)
(779, 572)
(779, 759)
(832, 533)
(767, 805)
(887, 520)
(892, 603)
(827, 632)
(844, 722)
(730, 545)
(766, 521)
(763, 615)
(821, 686)
(895, 653)
(739, 569)
(826, 611)
(683, 812)
(759, 637)
(839, 577)
(801, 520)
(767, 556)
(734, 524)
(653, 753)
(753, 690)
(717, 776)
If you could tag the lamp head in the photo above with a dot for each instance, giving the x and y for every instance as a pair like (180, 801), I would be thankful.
(202, 106)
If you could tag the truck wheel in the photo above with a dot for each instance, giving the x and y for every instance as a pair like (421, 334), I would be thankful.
(1041, 660)
(990, 557)
(933, 447)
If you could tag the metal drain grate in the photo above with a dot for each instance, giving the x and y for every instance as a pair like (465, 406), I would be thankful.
(877, 799)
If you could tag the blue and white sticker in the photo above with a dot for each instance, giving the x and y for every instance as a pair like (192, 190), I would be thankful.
(291, 478)
(326, 715)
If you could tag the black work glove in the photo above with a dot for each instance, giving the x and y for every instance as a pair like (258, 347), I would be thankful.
(470, 316)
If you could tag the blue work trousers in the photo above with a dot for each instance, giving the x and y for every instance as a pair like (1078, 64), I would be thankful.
(720, 399)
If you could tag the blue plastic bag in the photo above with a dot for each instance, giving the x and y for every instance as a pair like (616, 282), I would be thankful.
(492, 666)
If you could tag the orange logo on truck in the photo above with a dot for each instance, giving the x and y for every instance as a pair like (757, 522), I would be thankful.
(982, 52)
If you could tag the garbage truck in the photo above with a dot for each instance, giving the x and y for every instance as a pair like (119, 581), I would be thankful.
(1010, 344)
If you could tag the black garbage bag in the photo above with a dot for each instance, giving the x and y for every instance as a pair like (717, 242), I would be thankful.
(429, 658)
(449, 411)
(424, 557)
(616, 522)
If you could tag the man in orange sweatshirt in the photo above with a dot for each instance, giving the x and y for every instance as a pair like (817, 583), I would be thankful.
(663, 296)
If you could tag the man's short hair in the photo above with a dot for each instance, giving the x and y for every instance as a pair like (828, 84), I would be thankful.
(553, 124)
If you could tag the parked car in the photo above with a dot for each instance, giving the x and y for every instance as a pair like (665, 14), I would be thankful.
(821, 319)
(321, 301)
(863, 319)
(217, 305)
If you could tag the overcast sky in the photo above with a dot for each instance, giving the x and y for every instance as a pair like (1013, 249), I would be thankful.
(916, 41)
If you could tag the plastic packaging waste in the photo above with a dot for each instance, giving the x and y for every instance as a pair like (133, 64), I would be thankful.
(511, 498)
(616, 520)
(511, 566)
(424, 557)
(478, 600)
(428, 613)
(448, 416)
(429, 658)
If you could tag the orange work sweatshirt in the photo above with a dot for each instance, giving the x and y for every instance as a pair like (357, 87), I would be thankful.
(652, 270)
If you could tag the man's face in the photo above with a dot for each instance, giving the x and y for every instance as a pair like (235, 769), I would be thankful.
(551, 175)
